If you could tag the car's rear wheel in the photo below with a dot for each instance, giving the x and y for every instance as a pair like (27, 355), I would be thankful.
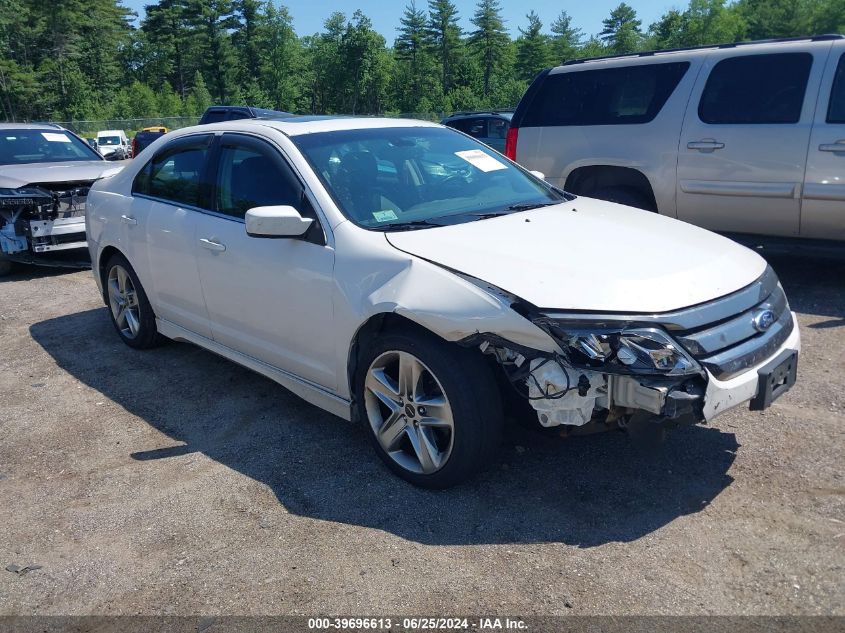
(129, 308)
(433, 410)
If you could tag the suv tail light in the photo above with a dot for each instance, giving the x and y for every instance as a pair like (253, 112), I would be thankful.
(510, 142)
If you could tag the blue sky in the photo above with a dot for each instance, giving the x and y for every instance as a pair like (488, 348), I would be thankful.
(308, 15)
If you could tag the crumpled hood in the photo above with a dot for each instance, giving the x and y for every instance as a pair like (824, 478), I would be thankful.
(591, 255)
(14, 176)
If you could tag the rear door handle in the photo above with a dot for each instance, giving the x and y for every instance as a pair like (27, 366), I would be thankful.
(705, 146)
(838, 146)
(128, 219)
(211, 245)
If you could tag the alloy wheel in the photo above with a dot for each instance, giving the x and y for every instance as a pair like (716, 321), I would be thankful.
(409, 412)
(123, 302)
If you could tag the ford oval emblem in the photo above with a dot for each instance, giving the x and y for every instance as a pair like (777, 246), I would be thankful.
(763, 320)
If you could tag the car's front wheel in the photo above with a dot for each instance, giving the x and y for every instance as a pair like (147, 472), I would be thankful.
(432, 409)
(129, 308)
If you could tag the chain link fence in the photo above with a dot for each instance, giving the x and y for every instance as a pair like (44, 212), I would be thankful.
(89, 129)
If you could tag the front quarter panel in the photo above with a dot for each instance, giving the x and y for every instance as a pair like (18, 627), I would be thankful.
(372, 278)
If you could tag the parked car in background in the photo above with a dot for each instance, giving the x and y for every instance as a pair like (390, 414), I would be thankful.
(491, 128)
(218, 113)
(113, 144)
(45, 174)
(145, 137)
(739, 138)
(403, 274)
(92, 142)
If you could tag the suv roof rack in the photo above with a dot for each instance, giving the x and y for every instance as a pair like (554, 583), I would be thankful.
(811, 38)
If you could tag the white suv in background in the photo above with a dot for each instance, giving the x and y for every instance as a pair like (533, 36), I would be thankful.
(738, 138)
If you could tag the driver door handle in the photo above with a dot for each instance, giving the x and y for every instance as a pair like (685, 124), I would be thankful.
(705, 146)
(128, 219)
(211, 245)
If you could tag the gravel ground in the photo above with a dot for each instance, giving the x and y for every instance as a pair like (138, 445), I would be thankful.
(175, 482)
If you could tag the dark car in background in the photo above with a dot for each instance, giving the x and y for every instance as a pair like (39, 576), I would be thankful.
(489, 127)
(145, 137)
(218, 113)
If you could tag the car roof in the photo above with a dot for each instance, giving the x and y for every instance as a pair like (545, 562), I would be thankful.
(297, 125)
(104, 132)
(30, 126)
(692, 51)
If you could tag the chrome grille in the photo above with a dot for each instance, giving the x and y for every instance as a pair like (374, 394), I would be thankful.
(732, 344)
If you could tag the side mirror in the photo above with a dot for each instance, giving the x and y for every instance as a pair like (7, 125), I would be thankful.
(276, 221)
(538, 174)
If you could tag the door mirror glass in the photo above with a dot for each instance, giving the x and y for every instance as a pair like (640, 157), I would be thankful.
(276, 221)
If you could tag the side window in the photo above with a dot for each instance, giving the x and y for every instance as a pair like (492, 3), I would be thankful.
(756, 89)
(609, 96)
(836, 109)
(498, 128)
(175, 173)
(251, 175)
(477, 128)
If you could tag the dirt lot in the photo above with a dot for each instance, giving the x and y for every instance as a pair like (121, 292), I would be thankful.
(175, 482)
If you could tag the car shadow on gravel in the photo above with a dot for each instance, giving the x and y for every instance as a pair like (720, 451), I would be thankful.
(581, 491)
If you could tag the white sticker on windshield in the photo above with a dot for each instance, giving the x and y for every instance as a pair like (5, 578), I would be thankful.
(384, 216)
(482, 161)
(55, 138)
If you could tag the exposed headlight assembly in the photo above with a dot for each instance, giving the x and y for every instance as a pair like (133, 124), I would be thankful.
(623, 351)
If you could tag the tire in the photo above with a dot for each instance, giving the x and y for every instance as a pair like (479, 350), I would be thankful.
(629, 196)
(6, 266)
(452, 384)
(129, 308)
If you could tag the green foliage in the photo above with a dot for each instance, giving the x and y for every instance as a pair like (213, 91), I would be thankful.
(621, 30)
(533, 49)
(88, 59)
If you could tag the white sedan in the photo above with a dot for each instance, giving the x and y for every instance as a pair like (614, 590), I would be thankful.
(402, 274)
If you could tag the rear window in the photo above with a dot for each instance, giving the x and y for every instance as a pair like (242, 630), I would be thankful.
(608, 96)
(756, 89)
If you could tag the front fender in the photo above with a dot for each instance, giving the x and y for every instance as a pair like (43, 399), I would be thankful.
(374, 278)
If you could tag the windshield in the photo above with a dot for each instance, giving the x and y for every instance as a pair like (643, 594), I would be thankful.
(18, 147)
(391, 178)
(108, 140)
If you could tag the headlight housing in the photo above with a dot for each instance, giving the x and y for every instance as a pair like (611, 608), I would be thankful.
(624, 351)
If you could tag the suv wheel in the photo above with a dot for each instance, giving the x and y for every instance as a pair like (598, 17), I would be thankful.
(129, 308)
(433, 411)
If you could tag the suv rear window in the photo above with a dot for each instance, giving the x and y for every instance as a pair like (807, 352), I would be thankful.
(608, 96)
(756, 89)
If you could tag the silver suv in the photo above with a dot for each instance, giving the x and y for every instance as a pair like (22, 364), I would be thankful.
(739, 138)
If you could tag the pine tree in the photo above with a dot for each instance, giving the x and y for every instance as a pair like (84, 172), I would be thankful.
(566, 39)
(489, 38)
(444, 37)
(621, 30)
(532, 49)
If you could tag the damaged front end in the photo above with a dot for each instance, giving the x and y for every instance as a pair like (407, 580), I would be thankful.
(603, 377)
(43, 219)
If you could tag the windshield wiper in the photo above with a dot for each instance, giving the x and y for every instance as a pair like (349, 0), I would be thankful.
(527, 206)
(522, 206)
(410, 225)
